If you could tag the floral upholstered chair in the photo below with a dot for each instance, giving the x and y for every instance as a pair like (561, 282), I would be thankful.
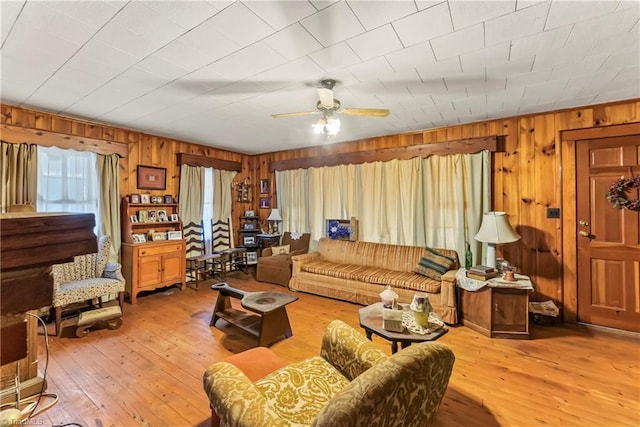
(87, 278)
(351, 383)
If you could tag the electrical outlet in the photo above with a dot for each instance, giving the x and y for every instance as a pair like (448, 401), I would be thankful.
(553, 212)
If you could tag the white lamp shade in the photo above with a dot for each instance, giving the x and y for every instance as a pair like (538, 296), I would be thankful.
(274, 215)
(495, 228)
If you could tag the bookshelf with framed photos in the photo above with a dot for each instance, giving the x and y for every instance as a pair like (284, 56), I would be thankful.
(153, 247)
(248, 235)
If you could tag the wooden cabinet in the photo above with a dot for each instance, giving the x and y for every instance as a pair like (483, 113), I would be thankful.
(496, 312)
(151, 265)
(159, 259)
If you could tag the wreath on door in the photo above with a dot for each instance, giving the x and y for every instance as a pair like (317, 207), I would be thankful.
(617, 193)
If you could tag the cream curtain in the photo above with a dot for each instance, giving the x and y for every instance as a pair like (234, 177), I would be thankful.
(222, 198)
(437, 201)
(191, 194)
(19, 174)
(109, 201)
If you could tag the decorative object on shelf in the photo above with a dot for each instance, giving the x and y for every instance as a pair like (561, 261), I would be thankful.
(243, 191)
(174, 218)
(134, 219)
(252, 258)
(274, 218)
(392, 320)
(249, 214)
(421, 308)
(139, 238)
(174, 235)
(342, 229)
(248, 226)
(145, 199)
(152, 178)
(495, 229)
(265, 186)
(162, 215)
(388, 297)
(142, 216)
(249, 240)
(617, 193)
(134, 198)
(159, 236)
(168, 198)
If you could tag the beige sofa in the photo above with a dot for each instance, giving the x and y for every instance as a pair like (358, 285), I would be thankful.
(359, 271)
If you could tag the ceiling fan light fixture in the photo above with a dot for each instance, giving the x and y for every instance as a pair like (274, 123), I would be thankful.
(319, 127)
(333, 126)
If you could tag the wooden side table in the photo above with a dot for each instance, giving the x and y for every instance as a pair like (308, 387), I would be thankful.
(496, 308)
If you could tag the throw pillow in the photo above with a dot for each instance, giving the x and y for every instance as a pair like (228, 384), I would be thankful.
(433, 264)
(278, 250)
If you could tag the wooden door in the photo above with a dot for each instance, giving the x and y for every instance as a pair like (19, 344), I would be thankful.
(173, 268)
(608, 243)
(149, 271)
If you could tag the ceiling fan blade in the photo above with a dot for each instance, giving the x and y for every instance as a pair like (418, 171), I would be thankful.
(373, 112)
(326, 97)
(284, 115)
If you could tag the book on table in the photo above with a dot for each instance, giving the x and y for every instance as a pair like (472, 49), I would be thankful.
(481, 272)
(481, 269)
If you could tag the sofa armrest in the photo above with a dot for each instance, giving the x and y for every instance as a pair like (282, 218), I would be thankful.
(113, 270)
(448, 289)
(348, 350)
(235, 399)
(266, 252)
(299, 260)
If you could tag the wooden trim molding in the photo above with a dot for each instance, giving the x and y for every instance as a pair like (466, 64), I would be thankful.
(19, 134)
(569, 139)
(471, 145)
(208, 162)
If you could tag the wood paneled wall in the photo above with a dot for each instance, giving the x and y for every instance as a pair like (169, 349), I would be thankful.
(526, 175)
(526, 178)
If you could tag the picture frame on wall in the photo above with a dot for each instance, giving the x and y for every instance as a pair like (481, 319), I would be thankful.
(151, 178)
(265, 186)
(265, 202)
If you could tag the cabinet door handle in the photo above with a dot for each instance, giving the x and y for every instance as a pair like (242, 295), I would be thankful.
(495, 307)
(143, 252)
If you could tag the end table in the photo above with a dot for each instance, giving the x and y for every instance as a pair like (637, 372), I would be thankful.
(496, 308)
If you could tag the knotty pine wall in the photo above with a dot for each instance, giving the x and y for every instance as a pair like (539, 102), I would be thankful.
(526, 176)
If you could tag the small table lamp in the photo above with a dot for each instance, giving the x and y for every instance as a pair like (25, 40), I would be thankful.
(495, 229)
(274, 217)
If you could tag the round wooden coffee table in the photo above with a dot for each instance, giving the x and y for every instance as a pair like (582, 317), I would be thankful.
(371, 321)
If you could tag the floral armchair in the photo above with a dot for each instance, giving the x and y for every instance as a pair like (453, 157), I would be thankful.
(351, 383)
(87, 278)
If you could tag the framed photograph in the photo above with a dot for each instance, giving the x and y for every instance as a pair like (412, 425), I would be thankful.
(174, 235)
(162, 216)
(134, 198)
(265, 202)
(174, 218)
(152, 178)
(248, 214)
(168, 198)
(252, 258)
(152, 216)
(133, 219)
(157, 199)
(158, 236)
(265, 186)
(143, 216)
(248, 226)
(145, 199)
(249, 240)
(135, 238)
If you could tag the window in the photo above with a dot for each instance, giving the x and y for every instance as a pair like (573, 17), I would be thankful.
(68, 182)
(207, 208)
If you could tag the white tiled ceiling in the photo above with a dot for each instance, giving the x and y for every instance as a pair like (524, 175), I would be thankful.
(213, 72)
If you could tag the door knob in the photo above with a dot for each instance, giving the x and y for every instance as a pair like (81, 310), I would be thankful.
(583, 223)
(583, 233)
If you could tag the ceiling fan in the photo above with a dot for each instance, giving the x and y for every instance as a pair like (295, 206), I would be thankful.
(328, 106)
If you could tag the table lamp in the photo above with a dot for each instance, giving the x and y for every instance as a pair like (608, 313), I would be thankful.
(495, 229)
(274, 217)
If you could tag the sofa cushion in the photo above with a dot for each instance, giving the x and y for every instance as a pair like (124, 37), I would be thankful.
(375, 275)
(299, 391)
(433, 264)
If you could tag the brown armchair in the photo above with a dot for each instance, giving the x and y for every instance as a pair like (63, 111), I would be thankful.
(277, 268)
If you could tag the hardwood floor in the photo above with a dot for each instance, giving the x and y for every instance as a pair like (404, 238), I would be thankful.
(149, 372)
